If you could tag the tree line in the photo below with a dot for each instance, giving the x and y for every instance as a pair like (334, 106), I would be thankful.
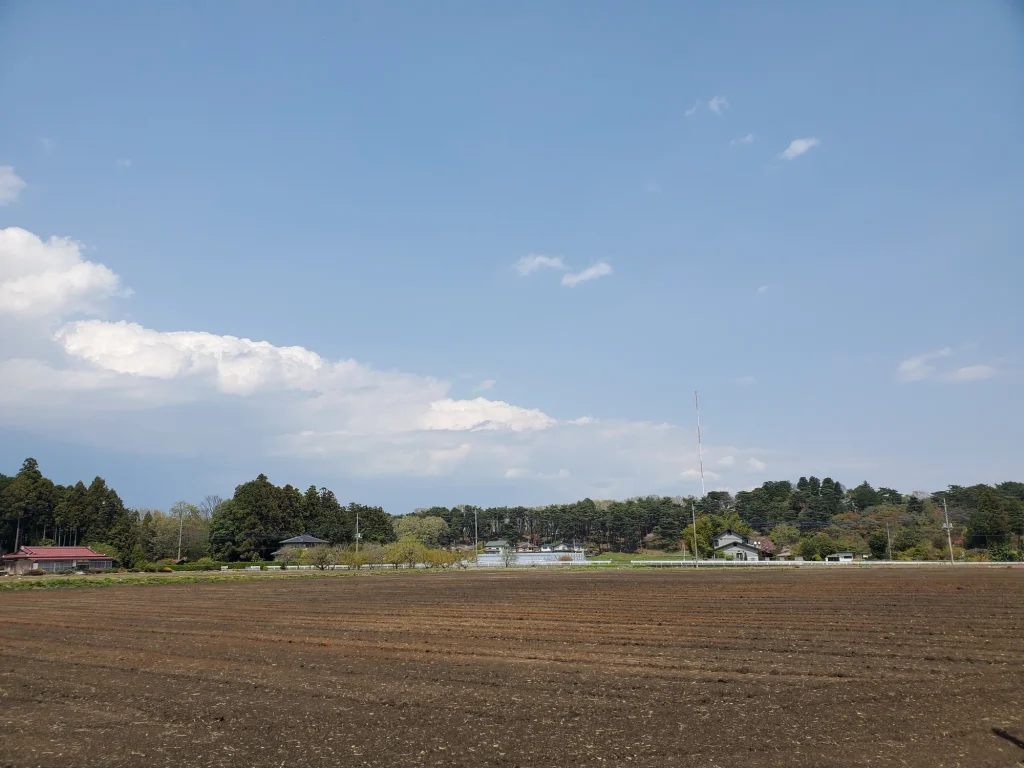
(811, 517)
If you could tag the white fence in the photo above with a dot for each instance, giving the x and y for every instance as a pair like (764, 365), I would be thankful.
(789, 563)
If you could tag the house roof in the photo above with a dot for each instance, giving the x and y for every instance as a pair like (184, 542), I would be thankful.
(840, 554)
(303, 539)
(57, 553)
(767, 545)
(741, 545)
(496, 543)
(728, 532)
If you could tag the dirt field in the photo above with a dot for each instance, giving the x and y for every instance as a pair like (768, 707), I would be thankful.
(717, 668)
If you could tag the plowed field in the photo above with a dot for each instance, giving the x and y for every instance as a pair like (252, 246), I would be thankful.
(838, 666)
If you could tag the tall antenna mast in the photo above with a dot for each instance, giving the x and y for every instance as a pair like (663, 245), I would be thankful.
(700, 449)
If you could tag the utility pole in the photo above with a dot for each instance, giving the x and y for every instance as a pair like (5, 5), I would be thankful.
(696, 556)
(357, 531)
(476, 534)
(948, 527)
(181, 524)
(889, 537)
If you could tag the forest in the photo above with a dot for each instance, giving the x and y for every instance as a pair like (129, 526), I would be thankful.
(811, 517)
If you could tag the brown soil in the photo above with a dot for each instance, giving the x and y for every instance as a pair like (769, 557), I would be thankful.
(844, 666)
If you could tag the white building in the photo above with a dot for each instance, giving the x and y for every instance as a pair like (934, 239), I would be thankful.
(729, 543)
(840, 557)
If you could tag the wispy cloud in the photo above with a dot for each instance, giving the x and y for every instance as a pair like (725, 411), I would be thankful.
(717, 104)
(762, 289)
(47, 144)
(10, 185)
(124, 162)
(748, 139)
(534, 261)
(973, 373)
(516, 473)
(727, 461)
(693, 110)
(798, 147)
(485, 385)
(601, 269)
(756, 465)
(694, 473)
(747, 380)
(924, 367)
(921, 367)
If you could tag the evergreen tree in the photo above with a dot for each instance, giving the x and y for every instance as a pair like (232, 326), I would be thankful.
(865, 496)
(374, 523)
(813, 486)
(989, 522)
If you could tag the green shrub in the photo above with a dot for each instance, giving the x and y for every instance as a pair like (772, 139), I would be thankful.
(36, 572)
(1004, 553)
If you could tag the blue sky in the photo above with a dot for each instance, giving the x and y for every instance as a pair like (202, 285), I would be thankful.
(809, 212)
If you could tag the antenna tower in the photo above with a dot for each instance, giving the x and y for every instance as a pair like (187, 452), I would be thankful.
(700, 449)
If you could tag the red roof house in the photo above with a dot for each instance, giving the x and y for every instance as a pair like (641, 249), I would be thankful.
(763, 543)
(55, 559)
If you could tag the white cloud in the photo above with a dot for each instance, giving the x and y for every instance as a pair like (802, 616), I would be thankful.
(520, 473)
(798, 147)
(10, 185)
(924, 367)
(693, 110)
(485, 385)
(920, 367)
(762, 289)
(534, 261)
(727, 461)
(717, 104)
(692, 474)
(582, 421)
(748, 139)
(236, 366)
(483, 414)
(601, 269)
(39, 278)
(756, 465)
(973, 373)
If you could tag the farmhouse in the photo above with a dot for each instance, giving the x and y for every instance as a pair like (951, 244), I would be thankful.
(56, 559)
(561, 547)
(494, 547)
(305, 541)
(729, 543)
